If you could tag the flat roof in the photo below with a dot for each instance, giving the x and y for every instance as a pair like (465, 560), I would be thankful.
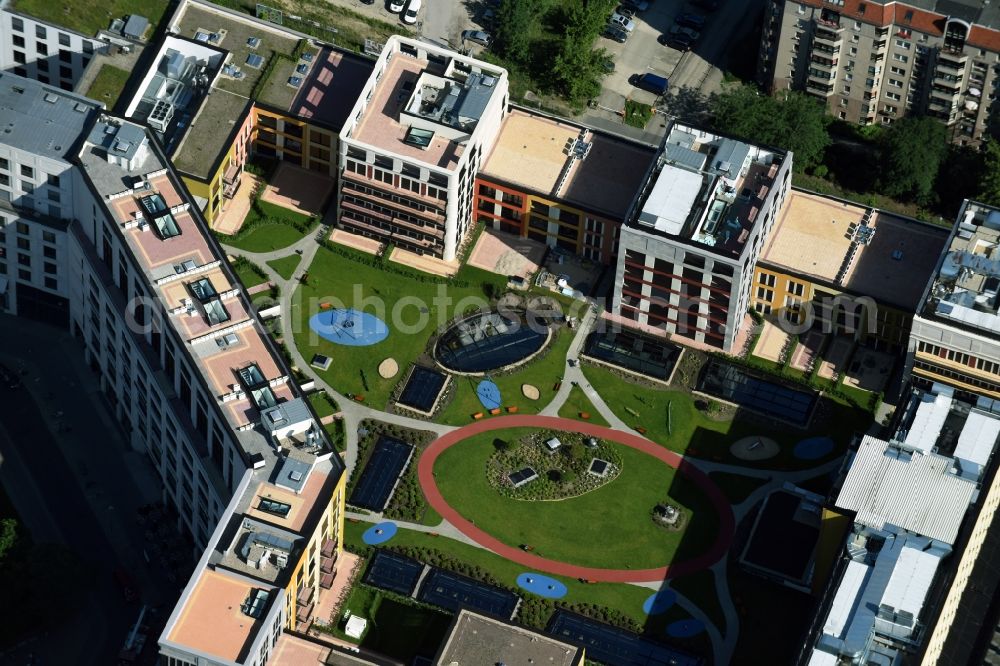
(40, 119)
(299, 504)
(964, 289)
(334, 85)
(929, 420)
(978, 438)
(290, 650)
(380, 125)
(812, 237)
(212, 620)
(475, 639)
(209, 133)
(531, 150)
(888, 485)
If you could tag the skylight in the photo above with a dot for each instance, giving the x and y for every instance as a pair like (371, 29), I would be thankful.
(418, 137)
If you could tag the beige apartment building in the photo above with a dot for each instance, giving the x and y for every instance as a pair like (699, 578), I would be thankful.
(874, 61)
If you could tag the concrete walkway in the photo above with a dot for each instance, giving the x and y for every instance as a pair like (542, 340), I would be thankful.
(455, 527)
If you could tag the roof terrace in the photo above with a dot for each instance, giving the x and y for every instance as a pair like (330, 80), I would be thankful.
(596, 171)
(221, 615)
(868, 251)
(707, 189)
(965, 290)
(425, 103)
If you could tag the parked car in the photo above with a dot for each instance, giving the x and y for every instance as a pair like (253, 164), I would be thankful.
(623, 22)
(616, 33)
(608, 65)
(476, 37)
(680, 42)
(410, 15)
(696, 21)
(679, 30)
(626, 11)
(636, 5)
(396, 6)
(653, 83)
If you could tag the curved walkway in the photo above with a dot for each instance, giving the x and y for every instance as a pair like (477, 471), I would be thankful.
(425, 472)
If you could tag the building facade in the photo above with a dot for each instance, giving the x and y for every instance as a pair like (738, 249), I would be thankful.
(413, 145)
(874, 61)
(44, 52)
(956, 333)
(689, 248)
(561, 184)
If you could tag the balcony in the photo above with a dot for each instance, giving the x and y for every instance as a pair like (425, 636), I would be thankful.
(304, 596)
(952, 59)
(231, 180)
(329, 548)
(828, 39)
(950, 83)
(823, 63)
(824, 88)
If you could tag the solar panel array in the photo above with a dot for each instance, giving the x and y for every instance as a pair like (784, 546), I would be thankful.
(639, 353)
(733, 384)
(422, 388)
(611, 645)
(393, 572)
(387, 461)
(452, 591)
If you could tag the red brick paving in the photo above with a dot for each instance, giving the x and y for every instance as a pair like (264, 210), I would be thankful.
(535, 562)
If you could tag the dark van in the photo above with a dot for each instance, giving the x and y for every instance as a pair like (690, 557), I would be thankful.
(651, 82)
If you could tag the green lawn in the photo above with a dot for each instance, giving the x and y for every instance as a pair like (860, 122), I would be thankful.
(323, 404)
(637, 114)
(342, 281)
(544, 373)
(693, 433)
(249, 273)
(285, 267)
(578, 403)
(89, 17)
(616, 515)
(268, 227)
(108, 85)
(626, 599)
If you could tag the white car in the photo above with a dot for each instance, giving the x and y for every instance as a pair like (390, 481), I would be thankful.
(396, 6)
(410, 15)
(622, 22)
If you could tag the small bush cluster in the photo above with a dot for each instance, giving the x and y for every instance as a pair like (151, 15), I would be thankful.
(561, 475)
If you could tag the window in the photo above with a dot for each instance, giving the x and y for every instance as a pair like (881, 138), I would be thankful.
(40, 31)
(900, 57)
(895, 83)
(51, 283)
(63, 39)
(764, 294)
(19, 57)
(888, 108)
(17, 24)
(24, 274)
(898, 70)
(766, 279)
(42, 65)
(24, 259)
(795, 287)
(22, 228)
(50, 268)
(893, 96)
(18, 41)
(27, 171)
(23, 244)
(42, 49)
(49, 252)
(65, 56)
(903, 44)
(65, 72)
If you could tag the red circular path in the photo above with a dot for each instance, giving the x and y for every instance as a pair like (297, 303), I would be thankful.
(425, 472)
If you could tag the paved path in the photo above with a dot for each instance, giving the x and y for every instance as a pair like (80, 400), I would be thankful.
(425, 472)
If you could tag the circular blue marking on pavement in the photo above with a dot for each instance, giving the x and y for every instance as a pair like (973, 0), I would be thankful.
(685, 628)
(349, 327)
(813, 448)
(379, 533)
(542, 585)
(659, 602)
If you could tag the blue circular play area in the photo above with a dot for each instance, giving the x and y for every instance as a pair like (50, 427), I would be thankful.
(659, 602)
(542, 585)
(379, 533)
(813, 448)
(685, 628)
(349, 327)
(489, 394)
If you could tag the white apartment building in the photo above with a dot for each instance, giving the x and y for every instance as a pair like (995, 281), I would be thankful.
(690, 243)
(413, 144)
(44, 52)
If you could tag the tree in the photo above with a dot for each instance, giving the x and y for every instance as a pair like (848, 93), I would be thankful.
(793, 121)
(8, 536)
(913, 150)
(577, 69)
(989, 179)
(513, 30)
